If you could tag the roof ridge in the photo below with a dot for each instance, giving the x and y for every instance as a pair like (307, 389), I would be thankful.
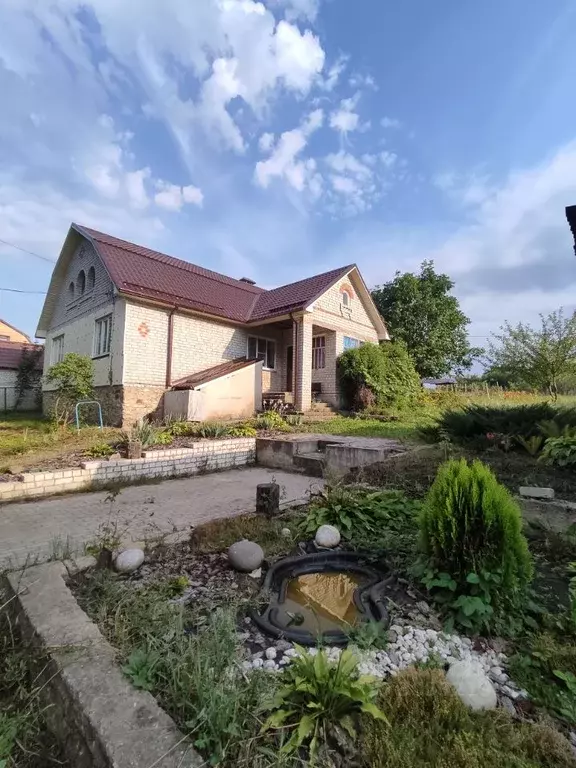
(312, 277)
(159, 256)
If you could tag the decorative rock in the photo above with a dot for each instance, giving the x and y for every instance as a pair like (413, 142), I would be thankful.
(472, 685)
(271, 653)
(129, 560)
(269, 664)
(257, 574)
(327, 536)
(286, 532)
(283, 645)
(532, 492)
(508, 705)
(245, 556)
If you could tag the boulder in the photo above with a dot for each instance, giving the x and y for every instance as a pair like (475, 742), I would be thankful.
(245, 556)
(472, 685)
(327, 536)
(129, 560)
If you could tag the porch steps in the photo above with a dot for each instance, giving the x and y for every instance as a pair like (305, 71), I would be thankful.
(310, 463)
(321, 411)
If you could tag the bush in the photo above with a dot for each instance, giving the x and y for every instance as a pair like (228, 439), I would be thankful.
(560, 451)
(141, 432)
(212, 429)
(243, 430)
(100, 450)
(476, 556)
(271, 421)
(431, 728)
(485, 422)
(73, 378)
(317, 696)
(386, 370)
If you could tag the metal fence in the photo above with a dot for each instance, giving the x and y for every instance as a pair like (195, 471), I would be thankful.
(8, 396)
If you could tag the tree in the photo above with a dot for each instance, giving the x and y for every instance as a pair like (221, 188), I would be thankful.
(419, 310)
(541, 357)
(378, 374)
(74, 380)
(27, 376)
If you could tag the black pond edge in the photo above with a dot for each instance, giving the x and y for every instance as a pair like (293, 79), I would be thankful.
(369, 599)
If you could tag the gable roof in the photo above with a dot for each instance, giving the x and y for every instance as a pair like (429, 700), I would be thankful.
(11, 354)
(13, 327)
(216, 372)
(141, 272)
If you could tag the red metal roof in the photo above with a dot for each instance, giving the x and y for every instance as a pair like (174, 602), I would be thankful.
(148, 274)
(216, 372)
(11, 354)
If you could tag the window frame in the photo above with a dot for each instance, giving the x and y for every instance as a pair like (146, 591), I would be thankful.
(319, 352)
(81, 283)
(346, 303)
(266, 341)
(97, 348)
(90, 280)
(57, 342)
(358, 343)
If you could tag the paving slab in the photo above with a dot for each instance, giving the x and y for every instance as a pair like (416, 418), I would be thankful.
(36, 531)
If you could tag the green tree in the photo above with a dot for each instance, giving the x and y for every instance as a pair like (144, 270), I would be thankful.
(419, 310)
(74, 380)
(27, 375)
(542, 357)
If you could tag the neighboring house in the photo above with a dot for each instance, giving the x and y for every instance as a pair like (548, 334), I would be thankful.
(10, 357)
(152, 323)
(571, 216)
(443, 383)
(9, 333)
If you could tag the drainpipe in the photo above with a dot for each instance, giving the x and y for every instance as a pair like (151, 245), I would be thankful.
(294, 356)
(169, 351)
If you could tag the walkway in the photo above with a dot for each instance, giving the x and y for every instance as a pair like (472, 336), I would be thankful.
(38, 530)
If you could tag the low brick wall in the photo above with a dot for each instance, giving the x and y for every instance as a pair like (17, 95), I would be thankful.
(204, 456)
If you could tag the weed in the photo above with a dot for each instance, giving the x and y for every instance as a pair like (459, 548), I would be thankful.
(368, 635)
(243, 430)
(218, 535)
(142, 432)
(100, 450)
(212, 429)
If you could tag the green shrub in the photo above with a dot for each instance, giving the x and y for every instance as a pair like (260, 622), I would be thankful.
(431, 728)
(317, 696)
(476, 556)
(212, 429)
(270, 421)
(141, 432)
(386, 370)
(164, 438)
(560, 451)
(73, 378)
(100, 450)
(243, 430)
(180, 428)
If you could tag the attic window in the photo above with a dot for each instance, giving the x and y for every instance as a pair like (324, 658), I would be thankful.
(81, 282)
(91, 278)
(345, 299)
(71, 291)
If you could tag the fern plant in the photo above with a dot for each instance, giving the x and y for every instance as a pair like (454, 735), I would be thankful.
(316, 695)
(472, 542)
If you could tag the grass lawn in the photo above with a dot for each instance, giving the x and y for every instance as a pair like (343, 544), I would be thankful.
(28, 440)
(406, 428)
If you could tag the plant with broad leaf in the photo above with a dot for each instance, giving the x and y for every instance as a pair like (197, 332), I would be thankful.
(316, 696)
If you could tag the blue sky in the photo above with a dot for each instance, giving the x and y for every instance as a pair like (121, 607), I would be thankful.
(274, 140)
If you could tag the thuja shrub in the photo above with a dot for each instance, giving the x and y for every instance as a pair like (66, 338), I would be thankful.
(474, 551)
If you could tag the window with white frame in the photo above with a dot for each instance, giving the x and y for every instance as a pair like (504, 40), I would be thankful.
(57, 352)
(350, 343)
(318, 352)
(345, 299)
(102, 336)
(262, 349)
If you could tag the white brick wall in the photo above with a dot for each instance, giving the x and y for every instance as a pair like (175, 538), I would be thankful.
(79, 338)
(199, 344)
(145, 345)
(202, 457)
(351, 321)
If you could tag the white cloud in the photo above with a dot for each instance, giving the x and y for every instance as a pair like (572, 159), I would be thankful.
(464, 189)
(172, 197)
(266, 142)
(333, 75)
(298, 8)
(283, 162)
(345, 119)
(390, 122)
(388, 158)
(135, 188)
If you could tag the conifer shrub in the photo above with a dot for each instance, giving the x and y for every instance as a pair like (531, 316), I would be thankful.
(475, 556)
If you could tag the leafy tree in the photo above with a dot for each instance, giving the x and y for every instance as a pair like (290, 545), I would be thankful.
(74, 380)
(377, 374)
(419, 310)
(542, 357)
(27, 376)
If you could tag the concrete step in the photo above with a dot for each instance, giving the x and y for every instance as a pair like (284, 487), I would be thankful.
(310, 463)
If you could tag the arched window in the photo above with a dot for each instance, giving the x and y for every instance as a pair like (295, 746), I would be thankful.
(345, 299)
(71, 290)
(81, 282)
(91, 278)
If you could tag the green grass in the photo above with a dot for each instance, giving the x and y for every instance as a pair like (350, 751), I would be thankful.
(218, 535)
(405, 429)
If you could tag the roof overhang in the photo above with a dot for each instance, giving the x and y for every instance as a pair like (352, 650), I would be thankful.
(571, 216)
(362, 290)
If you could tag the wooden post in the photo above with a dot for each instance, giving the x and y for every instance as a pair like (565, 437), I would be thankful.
(268, 499)
(134, 449)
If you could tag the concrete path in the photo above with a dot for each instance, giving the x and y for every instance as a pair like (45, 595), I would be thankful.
(35, 531)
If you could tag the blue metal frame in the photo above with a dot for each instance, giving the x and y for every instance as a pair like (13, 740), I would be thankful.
(88, 402)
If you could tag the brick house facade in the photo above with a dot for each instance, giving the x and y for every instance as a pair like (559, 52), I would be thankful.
(149, 320)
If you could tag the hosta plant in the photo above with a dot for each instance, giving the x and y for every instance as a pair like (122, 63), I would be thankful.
(560, 451)
(316, 696)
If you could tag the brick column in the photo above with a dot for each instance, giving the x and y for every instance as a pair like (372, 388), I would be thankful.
(303, 364)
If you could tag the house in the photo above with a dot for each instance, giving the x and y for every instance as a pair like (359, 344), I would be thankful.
(155, 324)
(571, 216)
(10, 356)
(9, 333)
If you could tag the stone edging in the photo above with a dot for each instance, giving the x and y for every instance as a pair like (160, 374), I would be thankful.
(205, 456)
(99, 718)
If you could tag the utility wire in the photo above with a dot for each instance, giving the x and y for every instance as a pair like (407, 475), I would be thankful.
(30, 253)
(17, 290)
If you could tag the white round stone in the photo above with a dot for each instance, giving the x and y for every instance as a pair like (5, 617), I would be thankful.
(286, 532)
(129, 560)
(269, 664)
(245, 556)
(327, 536)
(472, 685)
(271, 653)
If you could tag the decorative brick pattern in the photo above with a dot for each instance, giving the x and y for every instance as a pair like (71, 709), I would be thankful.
(202, 457)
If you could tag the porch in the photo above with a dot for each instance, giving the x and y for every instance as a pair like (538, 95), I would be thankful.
(298, 362)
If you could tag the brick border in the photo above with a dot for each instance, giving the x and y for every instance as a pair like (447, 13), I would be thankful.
(99, 718)
(205, 456)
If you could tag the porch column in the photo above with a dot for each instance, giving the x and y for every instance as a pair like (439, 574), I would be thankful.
(303, 363)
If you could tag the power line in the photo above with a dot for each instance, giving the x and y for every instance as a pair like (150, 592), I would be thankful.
(30, 253)
(17, 290)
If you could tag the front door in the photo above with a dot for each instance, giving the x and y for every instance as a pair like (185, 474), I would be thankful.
(289, 367)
